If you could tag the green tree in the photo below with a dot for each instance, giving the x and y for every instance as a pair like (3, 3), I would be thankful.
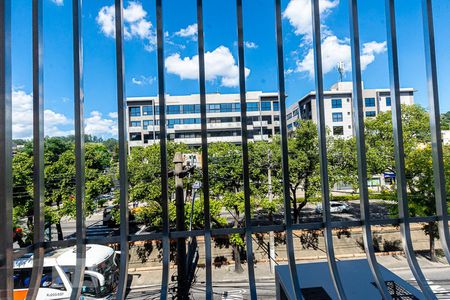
(303, 164)
(418, 160)
(144, 176)
(420, 183)
(225, 171)
(342, 161)
(445, 121)
(60, 183)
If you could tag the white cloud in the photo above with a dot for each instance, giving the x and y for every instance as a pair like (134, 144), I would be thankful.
(113, 115)
(58, 2)
(298, 13)
(143, 80)
(335, 50)
(22, 118)
(55, 124)
(219, 64)
(190, 31)
(98, 126)
(135, 23)
(251, 45)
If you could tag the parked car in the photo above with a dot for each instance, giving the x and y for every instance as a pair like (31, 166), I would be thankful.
(109, 221)
(335, 207)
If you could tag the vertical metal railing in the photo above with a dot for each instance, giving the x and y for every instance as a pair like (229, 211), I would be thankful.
(435, 126)
(284, 154)
(204, 133)
(6, 202)
(399, 151)
(123, 166)
(245, 163)
(163, 150)
(79, 149)
(358, 125)
(38, 149)
(324, 182)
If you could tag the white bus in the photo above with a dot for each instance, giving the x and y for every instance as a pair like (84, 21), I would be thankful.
(100, 276)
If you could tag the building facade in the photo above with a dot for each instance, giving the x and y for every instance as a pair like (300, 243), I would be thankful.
(183, 118)
(339, 107)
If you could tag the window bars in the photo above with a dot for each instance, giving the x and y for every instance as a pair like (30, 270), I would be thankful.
(404, 220)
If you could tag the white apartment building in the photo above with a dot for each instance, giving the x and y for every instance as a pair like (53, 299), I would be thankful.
(339, 107)
(183, 118)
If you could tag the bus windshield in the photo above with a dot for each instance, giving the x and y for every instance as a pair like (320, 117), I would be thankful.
(109, 271)
(91, 285)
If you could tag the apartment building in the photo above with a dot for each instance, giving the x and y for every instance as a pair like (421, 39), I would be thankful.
(183, 118)
(339, 107)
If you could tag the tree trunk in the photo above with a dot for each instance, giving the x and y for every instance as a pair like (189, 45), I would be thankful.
(294, 205)
(237, 260)
(237, 256)
(59, 230)
(432, 242)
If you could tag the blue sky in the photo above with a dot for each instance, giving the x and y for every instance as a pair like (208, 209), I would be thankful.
(221, 53)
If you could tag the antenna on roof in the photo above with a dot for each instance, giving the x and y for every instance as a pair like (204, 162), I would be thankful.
(341, 70)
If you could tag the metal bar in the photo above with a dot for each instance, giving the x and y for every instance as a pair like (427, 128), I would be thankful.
(79, 149)
(435, 126)
(204, 134)
(399, 151)
(163, 149)
(284, 154)
(38, 150)
(245, 163)
(358, 125)
(323, 159)
(6, 200)
(123, 165)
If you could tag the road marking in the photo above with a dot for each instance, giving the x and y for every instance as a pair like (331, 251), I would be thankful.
(435, 288)
(233, 294)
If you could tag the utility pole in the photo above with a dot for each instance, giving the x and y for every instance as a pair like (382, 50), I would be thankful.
(183, 290)
(271, 234)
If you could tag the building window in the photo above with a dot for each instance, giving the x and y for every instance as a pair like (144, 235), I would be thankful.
(370, 102)
(135, 136)
(265, 106)
(276, 106)
(338, 130)
(191, 109)
(135, 111)
(336, 103)
(191, 121)
(173, 109)
(388, 101)
(337, 117)
(135, 124)
(172, 122)
(252, 106)
(146, 123)
(289, 116)
(295, 112)
(147, 110)
(214, 108)
(226, 107)
(371, 113)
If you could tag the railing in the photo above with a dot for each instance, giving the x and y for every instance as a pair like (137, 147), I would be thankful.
(404, 220)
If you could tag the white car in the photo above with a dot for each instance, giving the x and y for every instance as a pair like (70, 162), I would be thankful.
(335, 207)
